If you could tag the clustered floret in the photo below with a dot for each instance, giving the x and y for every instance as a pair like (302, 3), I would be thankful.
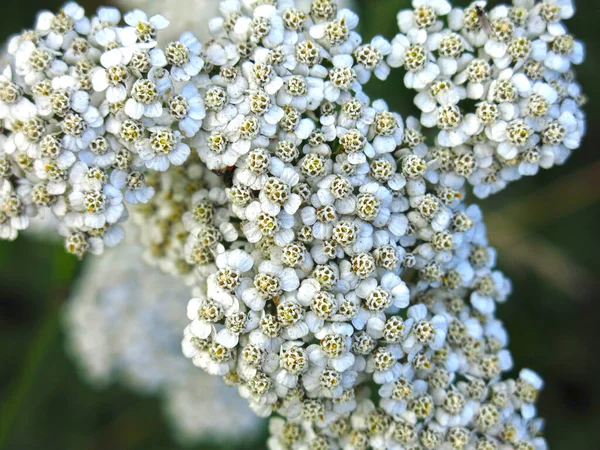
(497, 87)
(87, 108)
(341, 280)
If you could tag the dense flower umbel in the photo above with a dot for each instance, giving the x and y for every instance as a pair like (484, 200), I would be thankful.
(438, 413)
(330, 248)
(87, 106)
(498, 83)
(357, 261)
(497, 86)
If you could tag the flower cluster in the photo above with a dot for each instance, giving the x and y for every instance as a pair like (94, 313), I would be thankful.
(123, 324)
(330, 248)
(497, 86)
(87, 107)
(174, 219)
(471, 414)
(348, 257)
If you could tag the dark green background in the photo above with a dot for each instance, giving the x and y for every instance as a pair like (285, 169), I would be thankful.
(546, 229)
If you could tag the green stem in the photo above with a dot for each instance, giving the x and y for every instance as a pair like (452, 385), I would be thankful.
(22, 384)
(64, 268)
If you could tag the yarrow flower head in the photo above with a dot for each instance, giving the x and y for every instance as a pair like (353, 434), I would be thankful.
(88, 106)
(330, 248)
(496, 83)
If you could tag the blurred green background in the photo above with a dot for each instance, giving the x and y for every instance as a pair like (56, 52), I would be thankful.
(544, 227)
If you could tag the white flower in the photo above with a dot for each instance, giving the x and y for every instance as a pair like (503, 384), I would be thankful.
(336, 190)
(450, 47)
(14, 213)
(356, 113)
(293, 362)
(455, 130)
(215, 149)
(337, 35)
(232, 81)
(500, 33)
(96, 208)
(136, 190)
(187, 108)
(561, 136)
(146, 28)
(106, 15)
(271, 281)
(162, 148)
(384, 363)
(12, 102)
(410, 51)
(335, 348)
(113, 76)
(477, 74)
(440, 92)
(63, 25)
(263, 14)
(485, 302)
(184, 57)
(277, 193)
(261, 224)
(65, 95)
(260, 103)
(303, 93)
(188, 344)
(558, 10)
(324, 382)
(323, 304)
(424, 16)
(470, 24)
(101, 152)
(563, 52)
(80, 129)
(423, 331)
(237, 260)
(144, 101)
(87, 178)
(371, 59)
(387, 129)
(35, 63)
(203, 313)
(253, 168)
(396, 395)
(342, 80)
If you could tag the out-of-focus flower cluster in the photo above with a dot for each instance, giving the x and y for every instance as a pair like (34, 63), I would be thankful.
(332, 255)
(123, 323)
